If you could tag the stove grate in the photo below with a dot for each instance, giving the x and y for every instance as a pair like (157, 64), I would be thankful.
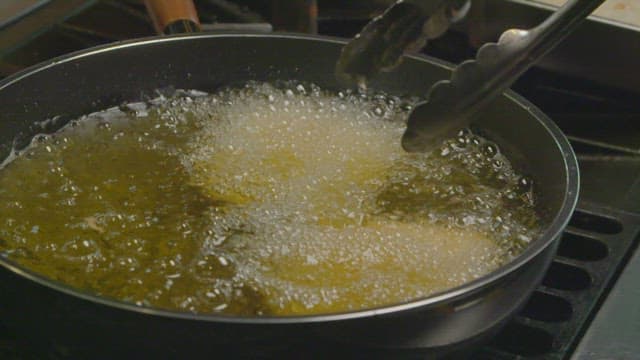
(592, 251)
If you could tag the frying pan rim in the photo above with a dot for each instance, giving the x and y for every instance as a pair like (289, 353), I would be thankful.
(552, 232)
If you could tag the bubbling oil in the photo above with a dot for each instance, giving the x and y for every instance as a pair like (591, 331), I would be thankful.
(261, 200)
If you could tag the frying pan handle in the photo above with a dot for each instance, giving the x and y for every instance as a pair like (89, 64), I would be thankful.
(173, 16)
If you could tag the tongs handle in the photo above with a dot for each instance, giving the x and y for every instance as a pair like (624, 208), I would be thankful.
(451, 104)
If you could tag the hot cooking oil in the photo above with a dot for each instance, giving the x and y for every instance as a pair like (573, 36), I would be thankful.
(261, 200)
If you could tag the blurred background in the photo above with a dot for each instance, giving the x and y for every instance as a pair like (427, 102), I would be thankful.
(32, 31)
(35, 30)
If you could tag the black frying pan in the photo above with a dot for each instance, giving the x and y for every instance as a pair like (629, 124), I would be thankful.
(79, 323)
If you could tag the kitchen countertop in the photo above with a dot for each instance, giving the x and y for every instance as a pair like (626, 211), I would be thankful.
(623, 11)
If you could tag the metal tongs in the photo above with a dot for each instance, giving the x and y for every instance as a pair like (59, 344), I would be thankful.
(451, 104)
(405, 27)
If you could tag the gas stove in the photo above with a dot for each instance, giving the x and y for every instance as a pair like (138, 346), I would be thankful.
(588, 306)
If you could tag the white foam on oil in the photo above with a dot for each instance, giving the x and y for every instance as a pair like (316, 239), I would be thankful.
(300, 172)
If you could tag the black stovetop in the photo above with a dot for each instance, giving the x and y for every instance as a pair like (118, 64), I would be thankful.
(589, 286)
